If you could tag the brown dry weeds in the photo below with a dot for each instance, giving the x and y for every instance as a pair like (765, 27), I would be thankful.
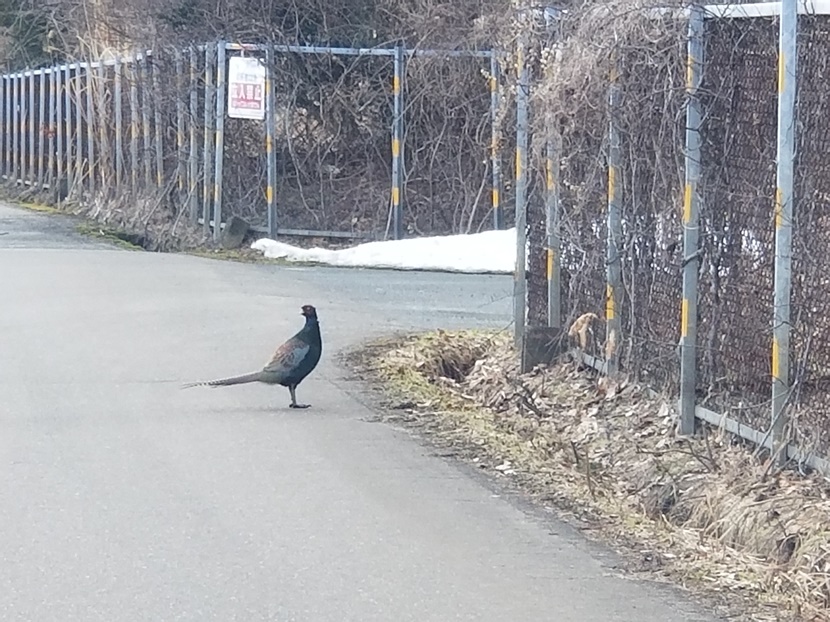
(718, 517)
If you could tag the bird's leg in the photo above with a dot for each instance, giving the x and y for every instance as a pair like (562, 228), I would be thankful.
(294, 403)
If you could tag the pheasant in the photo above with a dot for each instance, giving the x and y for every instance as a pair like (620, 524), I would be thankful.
(291, 363)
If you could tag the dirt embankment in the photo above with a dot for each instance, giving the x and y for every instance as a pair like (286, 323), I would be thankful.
(705, 512)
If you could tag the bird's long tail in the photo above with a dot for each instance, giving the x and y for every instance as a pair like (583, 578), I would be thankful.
(224, 382)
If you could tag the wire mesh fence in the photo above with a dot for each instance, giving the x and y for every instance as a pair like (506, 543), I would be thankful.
(359, 140)
(740, 257)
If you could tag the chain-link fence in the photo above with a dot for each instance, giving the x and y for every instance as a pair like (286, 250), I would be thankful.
(373, 142)
(645, 53)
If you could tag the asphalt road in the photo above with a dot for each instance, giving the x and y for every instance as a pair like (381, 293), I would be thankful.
(125, 498)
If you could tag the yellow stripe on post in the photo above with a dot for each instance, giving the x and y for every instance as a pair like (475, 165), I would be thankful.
(494, 84)
(609, 302)
(396, 85)
(687, 204)
(684, 318)
(550, 264)
(269, 194)
(396, 147)
(549, 174)
(690, 63)
(496, 197)
(269, 144)
(518, 163)
(396, 195)
(775, 367)
(781, 62)
(612, 178)
(779, 208)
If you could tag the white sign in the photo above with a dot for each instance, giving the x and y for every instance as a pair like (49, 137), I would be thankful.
(246, 88)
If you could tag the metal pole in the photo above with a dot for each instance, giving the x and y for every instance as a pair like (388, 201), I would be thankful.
(67, 97)
(15, 127)
(552, 206)
(613, 263)
(119, 125)
(270, 126)
(194, 154)
(90, 130)
(158, 139)
(60, 126)
(220, 140)
(4, 134)
(24, 123)
(41, 128)
(180, 172)
(495, 142)
(134, 125)
(787, 56)
(207, 151)
(691, 227)
(53, 128)
(79, 150)
(33, 130)
(145, 119)
(397, 141)
(522, 140)
(104, 159)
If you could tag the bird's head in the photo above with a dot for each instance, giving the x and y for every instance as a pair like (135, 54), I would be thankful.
(309, 312)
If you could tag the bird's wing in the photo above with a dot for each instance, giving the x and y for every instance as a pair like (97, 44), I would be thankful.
(287, 357)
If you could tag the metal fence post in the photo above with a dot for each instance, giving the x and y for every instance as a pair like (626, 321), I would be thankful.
(134, 124)
(613, 261)
(522, 141)
(67, 95)
(397, 141)
(104, 157)
(787, 66)
(119, 124)
(207, 150)
(158, 139)
(15, 127)
(24, 123)
(691, 223)
(4, 133)
(193, 170)
(79, 139)
(271, 130)
(41, 128)
(495, 141)
(33, 130)
(552, 205)
(220, 140)
(90, 129)
(180, 172)
(53, 129)
(60, 128)
(145, 120)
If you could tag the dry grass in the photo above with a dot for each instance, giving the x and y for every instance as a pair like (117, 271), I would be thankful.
(711, 514)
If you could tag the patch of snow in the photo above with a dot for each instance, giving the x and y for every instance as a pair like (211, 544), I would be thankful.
(486, 252)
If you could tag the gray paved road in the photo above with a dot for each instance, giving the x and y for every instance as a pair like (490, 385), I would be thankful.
(124, 498)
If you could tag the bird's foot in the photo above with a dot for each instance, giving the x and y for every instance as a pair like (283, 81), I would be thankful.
(295, 405)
